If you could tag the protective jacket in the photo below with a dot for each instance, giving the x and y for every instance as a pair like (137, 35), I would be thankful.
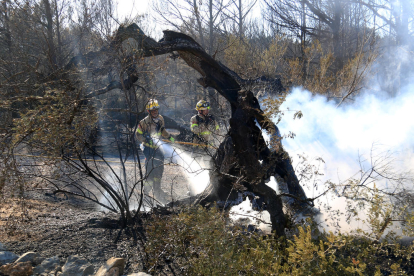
(150, 127)
(204, 127)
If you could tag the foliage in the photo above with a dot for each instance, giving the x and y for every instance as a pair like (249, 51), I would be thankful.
(315, 71)
(250, 61)
(55, 122)
(202, 243)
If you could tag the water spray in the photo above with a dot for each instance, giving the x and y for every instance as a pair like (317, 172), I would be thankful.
(195, 166)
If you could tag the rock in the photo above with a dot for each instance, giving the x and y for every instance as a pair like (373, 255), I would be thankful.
(17, 269)
(7, 257)
(139, 274)
(28, 257)
(47, 266)
(113, 272)
(113, 267)
(76, 266)
(2, 247)
(38, 260)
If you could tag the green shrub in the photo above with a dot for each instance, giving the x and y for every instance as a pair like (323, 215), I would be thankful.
(201, 242)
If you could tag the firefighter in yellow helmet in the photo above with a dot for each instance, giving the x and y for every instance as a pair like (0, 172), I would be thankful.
(203, 125)
(149, 128)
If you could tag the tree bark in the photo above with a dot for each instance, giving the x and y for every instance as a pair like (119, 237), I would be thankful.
(49, 29)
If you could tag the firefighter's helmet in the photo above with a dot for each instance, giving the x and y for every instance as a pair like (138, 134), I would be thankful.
(152, 104)
(202, 105)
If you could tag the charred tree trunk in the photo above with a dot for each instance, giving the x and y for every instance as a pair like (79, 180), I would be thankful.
(49, 28)
(243, 160)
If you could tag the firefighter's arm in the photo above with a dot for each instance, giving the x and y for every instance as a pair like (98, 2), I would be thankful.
(140, 133)
(146, 140)
(165, 133)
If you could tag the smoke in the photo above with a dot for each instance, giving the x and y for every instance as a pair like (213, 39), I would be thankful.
(340, 135)
(114, 176)
(244, 215)
(196, 167)
(374, 130)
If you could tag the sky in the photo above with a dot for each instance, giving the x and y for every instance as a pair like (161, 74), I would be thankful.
(132, 7)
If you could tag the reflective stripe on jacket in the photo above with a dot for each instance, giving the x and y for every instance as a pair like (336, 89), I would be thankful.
(202, 129)
(148, 127)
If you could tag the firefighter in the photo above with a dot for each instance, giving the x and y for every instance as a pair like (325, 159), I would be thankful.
(203, 125)
(151, 127)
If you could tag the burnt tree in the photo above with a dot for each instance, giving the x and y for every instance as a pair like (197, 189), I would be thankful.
(243, 161)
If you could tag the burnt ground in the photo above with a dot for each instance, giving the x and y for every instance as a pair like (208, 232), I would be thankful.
(58, 226)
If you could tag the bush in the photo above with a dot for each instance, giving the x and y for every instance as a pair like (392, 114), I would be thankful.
(201, 242)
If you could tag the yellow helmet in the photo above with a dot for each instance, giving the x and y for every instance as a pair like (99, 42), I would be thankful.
(202, 105)
(152, 104)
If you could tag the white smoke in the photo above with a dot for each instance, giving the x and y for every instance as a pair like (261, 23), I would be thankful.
(349, 137)
(244, 215)
(114, 177)
(340, 135)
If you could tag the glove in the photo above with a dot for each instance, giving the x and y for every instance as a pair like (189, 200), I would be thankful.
(172, 139)
(150, 144)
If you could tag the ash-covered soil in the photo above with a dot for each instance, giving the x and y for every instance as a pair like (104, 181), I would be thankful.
(59, 226)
